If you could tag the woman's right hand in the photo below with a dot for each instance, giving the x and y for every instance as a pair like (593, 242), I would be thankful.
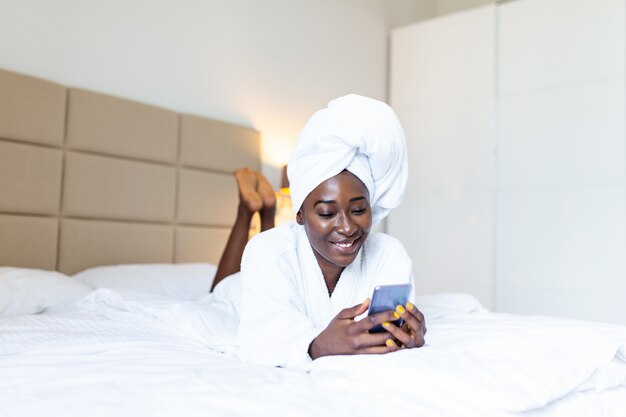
(345, 336)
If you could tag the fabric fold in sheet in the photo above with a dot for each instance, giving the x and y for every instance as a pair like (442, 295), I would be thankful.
(210, 321)
(155, 356)
(104, 363)
(495, 362)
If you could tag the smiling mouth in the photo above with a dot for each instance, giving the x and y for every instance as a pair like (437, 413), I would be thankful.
(346, 245)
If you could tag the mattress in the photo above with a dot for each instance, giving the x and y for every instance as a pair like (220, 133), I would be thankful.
(146, 355)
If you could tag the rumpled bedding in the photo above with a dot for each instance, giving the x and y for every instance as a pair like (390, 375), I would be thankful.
(140, 355)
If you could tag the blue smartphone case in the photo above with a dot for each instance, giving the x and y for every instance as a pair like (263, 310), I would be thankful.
(386, 298)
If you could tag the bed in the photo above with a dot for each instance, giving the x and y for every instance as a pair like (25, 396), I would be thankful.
(113, 215)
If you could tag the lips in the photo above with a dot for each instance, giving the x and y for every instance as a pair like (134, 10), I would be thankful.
(347, 246)
(344, 245)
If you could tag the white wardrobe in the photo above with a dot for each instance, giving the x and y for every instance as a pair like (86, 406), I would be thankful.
(515, 116)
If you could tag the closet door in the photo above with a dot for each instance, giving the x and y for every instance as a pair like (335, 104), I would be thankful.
(561, 166)
(442, 87)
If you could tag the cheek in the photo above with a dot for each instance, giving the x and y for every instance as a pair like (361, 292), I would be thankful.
(365, 222)
(317, 239)
(319, 231)
(318, 235)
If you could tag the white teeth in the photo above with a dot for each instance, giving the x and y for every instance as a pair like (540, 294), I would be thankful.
(344, 245)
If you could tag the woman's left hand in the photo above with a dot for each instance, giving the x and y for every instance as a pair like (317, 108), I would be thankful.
(411, 333)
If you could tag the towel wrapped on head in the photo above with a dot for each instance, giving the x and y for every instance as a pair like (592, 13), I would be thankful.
(361, 135)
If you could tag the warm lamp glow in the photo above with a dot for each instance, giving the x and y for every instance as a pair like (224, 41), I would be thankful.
(275, 150)
(284, 212)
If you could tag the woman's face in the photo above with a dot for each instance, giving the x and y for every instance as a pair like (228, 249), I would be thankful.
(337, 218)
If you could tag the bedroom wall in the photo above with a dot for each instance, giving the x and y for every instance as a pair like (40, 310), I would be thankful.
(516, 125)
(442, 88)
(266, 64)
(443, 7)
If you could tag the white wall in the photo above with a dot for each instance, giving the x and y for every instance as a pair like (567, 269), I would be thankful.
(561, 202)
(443, 7)
(267, 64)
(442, 88)
(516, 128)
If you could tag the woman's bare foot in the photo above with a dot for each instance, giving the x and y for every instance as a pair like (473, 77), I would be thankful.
(265, 190)
(247, 183)
(268, 212)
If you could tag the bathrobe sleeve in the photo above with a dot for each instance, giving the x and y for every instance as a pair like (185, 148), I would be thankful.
(274, 328)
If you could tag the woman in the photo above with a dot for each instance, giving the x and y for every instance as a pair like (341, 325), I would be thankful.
(303, 284)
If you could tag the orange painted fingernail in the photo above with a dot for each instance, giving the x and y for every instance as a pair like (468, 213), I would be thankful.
(396, 315)
(390, 343)
(385, 324)
(410, 306)
(400, 309)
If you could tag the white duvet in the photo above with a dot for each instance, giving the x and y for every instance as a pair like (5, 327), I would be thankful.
(136, 355)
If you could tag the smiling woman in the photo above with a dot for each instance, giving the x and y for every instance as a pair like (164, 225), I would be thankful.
(337, 219)
(305, 284)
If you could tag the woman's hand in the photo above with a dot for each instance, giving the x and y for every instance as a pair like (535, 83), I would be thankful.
(411, 333)
(345, 336)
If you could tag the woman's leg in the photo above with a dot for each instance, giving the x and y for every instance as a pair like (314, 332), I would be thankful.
(255, 194)
(268, 211)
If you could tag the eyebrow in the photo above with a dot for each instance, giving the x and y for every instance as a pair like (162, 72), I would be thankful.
(335, 202)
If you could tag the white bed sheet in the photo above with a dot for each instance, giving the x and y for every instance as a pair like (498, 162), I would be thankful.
(143, 356)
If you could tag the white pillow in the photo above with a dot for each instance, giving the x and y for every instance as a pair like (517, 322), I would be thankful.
(190, 281)
(32, 291)
(438, 305)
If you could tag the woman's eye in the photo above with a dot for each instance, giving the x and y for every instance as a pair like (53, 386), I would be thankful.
(326, 215)
(359, 210)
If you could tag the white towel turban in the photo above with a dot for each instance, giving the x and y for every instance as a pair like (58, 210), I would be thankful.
(361, 135)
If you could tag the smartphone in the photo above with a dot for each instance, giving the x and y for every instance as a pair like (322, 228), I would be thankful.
(386, 298)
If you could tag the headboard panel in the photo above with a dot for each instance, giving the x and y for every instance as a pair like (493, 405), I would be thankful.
(88, 179)
(115, 126)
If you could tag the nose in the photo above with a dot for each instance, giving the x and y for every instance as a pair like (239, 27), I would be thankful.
(345, 225)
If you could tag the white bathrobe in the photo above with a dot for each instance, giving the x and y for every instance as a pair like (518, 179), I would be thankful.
(284, 300)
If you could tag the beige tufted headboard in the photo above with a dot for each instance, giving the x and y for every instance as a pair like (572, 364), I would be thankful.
(88, 179)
